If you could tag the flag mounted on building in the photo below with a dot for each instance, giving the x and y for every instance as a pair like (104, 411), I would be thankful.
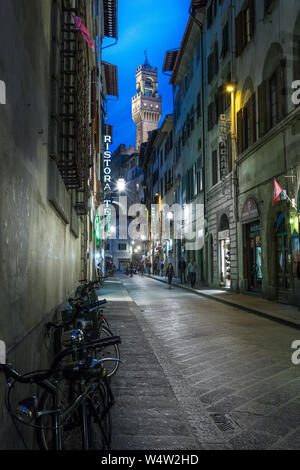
(80, 27)
(279, 193)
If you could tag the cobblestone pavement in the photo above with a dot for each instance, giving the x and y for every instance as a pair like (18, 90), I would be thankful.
(199, 374)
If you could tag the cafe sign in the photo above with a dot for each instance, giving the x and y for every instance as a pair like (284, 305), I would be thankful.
(250, 210)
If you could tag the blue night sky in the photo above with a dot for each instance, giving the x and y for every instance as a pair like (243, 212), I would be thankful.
(156, 25)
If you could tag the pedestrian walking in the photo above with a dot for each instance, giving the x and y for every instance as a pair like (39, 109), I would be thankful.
(182, 270)
(142, 268)
(131, 269)
(170, 273)
(192, 270)
(162, 267)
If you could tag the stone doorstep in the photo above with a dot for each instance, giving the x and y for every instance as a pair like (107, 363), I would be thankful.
(287, 315)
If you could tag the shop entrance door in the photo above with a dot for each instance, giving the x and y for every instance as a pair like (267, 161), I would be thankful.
(254, 257)
(254, 262)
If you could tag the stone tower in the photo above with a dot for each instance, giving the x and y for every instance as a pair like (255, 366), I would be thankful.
(146, 104)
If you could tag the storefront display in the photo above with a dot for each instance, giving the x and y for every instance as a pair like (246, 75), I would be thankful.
(224, 257)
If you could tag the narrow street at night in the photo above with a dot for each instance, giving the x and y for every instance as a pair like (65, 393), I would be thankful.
(149, 229)
(198, 374)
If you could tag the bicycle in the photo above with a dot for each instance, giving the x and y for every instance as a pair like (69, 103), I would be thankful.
(74, 409)
(90, 319)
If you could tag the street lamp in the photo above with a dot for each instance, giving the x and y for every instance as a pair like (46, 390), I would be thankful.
(121, 184)
(230, 88)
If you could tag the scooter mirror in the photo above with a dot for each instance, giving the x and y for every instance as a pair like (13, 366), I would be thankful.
(2, 352)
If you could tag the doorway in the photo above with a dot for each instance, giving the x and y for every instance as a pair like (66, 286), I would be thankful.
(253, 256)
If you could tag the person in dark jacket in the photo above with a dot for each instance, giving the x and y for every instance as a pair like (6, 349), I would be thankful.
(182, 270)
(170, 273)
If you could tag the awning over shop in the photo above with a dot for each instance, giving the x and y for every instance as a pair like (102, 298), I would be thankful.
(110, 8)
(170, 59)
(111, 79)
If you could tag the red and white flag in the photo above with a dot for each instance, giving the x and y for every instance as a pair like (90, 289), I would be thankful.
(278, 190)
(80, 27)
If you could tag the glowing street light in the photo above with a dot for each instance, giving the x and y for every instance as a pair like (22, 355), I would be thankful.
(121, 184)
(230, 88)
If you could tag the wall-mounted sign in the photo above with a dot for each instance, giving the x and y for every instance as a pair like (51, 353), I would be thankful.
(223, 136)
(250, 210)
(107, 182)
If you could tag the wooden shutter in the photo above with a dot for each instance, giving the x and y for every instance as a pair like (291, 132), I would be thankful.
(216, 58)
(281, 91)
(209, 117)
(252, 17)
(240, 132)
(209, 68)
(262, 109)
(214, 167)
(252, 117)
(239, 33)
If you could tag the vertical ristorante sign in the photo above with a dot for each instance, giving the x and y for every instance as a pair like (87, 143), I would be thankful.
(223, 135)
(107, 182)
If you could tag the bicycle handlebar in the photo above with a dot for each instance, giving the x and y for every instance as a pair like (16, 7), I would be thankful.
(39, 377)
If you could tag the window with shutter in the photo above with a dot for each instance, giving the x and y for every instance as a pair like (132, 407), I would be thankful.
(209, 68)
(252, 117)
(245, 26)
(262, 109)
(252, 17)
(273, 99)
(209, 16)
(198, 106)
(281, 90)
(216, 59)
(192, 121)
(209, 117)
(225, 40)
(239, 33)
(240, 132)
(214, 167)
(267, 5)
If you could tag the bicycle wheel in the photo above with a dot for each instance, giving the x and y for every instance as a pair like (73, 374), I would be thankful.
(72, 429)
(99, 419)
(111, 352)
